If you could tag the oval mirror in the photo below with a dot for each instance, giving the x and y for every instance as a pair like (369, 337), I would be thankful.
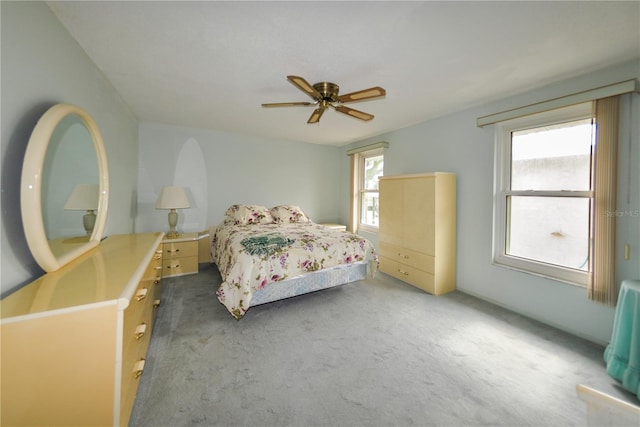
(64, 191)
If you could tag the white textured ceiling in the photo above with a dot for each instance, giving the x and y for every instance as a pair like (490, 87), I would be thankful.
(211, 64)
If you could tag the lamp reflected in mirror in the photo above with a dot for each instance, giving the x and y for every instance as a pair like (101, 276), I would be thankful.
(84, 197)
(173, 198)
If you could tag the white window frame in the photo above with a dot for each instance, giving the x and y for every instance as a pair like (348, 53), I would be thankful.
(502, 190)
(362, 156)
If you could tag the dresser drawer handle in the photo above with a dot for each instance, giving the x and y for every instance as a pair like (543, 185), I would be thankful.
(159, 251)
(173, 251)
(138, 368)
(156, 280)
(142, 294)
(156, 303)
(173, 266)
(140, 331)
(405, 273)
(157, 267)
(157, 257)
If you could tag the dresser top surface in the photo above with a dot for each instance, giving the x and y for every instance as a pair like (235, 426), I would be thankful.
(106, 273)
(182, 237)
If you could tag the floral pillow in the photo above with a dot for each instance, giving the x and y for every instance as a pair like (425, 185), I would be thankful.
(288, 213)
(248, 214)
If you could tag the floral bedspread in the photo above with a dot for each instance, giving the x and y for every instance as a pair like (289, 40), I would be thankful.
(308, 247)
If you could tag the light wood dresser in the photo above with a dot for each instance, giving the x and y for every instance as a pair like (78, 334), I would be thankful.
(74, 341)
(180, 255)
(417, 234)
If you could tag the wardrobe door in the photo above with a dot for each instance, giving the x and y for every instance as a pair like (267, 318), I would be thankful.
(391, 211)
(419, 214)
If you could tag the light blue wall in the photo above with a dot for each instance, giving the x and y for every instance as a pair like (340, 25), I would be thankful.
(220, 169)
(42, 65)
(453, 143)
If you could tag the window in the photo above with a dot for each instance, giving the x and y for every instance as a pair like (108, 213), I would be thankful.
(544, 176)
(367, 168)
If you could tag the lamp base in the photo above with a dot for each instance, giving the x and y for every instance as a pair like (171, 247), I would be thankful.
(89, 221)
(171, 234)
(173, 221)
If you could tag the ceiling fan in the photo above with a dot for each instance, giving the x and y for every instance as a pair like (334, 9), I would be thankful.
(325, 95)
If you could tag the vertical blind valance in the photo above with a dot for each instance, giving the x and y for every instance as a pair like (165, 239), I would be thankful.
(621, 88)
(381, 144)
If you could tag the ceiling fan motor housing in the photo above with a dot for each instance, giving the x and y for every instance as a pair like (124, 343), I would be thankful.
(329, 91)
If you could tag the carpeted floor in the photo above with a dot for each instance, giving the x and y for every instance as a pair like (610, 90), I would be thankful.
(370, 353)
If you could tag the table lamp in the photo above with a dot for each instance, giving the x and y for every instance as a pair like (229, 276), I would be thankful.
(172, 198)
(84, 197)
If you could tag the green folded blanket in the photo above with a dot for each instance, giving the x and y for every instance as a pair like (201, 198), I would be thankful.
(266, 244)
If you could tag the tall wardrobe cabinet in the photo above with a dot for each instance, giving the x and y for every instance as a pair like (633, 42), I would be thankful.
(417, 234)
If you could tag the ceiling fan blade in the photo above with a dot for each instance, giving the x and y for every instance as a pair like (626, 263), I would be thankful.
(354, 113)
(288, 104)
(315, 116)
(302, 84)
(363, 95)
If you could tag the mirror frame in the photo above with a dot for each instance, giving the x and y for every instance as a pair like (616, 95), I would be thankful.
(31, 187)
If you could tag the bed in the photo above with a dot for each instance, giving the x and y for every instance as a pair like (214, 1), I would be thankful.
(265, 255)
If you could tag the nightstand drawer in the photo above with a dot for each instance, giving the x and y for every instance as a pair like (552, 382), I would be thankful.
(179, 266)
(179, 249)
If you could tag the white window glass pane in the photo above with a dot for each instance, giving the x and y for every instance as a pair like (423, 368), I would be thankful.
(552, 158)
(553, 230)
(372, 171)
(369, 209)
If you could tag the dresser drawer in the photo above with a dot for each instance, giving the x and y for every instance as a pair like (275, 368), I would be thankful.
(179, 266)
(132, 371)
(154, 269)
(138, 319)
(179, 249)
(408, 257)
(127, 399)
(138, 325)
(413, 276)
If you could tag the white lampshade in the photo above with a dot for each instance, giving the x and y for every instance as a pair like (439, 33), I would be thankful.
(84, 197)
(173, 198)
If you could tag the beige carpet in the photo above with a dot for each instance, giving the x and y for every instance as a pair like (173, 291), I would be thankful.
(371, 353)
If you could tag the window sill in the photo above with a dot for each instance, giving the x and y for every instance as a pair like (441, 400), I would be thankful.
(367, 229)
(546, 271)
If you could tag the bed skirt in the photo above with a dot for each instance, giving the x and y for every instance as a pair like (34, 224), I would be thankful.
(311, 282)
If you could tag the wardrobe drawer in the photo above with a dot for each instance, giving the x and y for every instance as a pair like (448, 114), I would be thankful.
(413, 276)
(408, 257)
(180, 249)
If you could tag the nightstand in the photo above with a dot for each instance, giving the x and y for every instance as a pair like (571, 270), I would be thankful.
(180, 255)
(336, 226)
